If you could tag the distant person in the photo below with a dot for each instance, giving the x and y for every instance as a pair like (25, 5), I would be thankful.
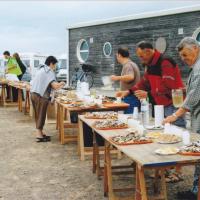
(130, 75)
(41, 86)
(12, 67)
(21, 65)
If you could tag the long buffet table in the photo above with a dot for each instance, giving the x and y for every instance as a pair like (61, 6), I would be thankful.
(66, 123)
(23, 90)
(142, 155)
(145, 158)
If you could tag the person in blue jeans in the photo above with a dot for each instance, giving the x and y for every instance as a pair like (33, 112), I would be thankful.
(130, 75)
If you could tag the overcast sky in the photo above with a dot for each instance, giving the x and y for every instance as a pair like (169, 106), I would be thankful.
(40, 26)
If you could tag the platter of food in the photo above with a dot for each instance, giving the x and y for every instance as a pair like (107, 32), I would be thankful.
(65, 100)
(114, 105)
(153, 135)
(168, 139)
(130, 138)
(101, 115)
(192, 149)
(167, 151)
(154, 127)
(109, 125)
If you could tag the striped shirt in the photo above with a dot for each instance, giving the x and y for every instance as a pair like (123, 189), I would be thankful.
(192, 100)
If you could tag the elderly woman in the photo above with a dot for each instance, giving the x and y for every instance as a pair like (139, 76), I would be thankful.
(189, 51)
(41, 86)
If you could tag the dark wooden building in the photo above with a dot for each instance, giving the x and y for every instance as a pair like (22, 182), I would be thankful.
(97, 42)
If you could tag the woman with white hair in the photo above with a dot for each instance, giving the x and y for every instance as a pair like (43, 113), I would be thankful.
(189, 51)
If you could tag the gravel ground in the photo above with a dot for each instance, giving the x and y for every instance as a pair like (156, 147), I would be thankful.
(50, 171)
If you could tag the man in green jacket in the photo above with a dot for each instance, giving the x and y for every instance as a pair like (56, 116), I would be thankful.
(12, 67)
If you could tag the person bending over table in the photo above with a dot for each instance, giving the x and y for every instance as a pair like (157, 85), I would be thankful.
(41, 86)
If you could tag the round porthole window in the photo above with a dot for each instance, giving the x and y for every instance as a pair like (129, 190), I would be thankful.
(196, 34)
(82, 50)
(161, 44)
(107, 49)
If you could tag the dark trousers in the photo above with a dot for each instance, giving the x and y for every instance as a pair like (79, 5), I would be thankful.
(40, 105)
(133, 101)
(14, 93)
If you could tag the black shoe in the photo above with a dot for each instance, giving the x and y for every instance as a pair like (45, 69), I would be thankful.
(186, 195)
(43, 139)
(47, 137)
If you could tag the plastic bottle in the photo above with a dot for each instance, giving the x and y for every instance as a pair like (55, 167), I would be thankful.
(145, 112)
(135, 113)
(78, 86)
(186, 137)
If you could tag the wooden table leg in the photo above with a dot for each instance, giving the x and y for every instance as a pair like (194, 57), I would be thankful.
(27, 103)
(156, 179)
(108, 167)
(57, 116)
(19, 99)
(141, 192)
(94, 157)
(98, 168)
(163, 184)
(10, 94)
(81, 140)
(105, 174)
(137, 190)
(3, 95)
(61, 125)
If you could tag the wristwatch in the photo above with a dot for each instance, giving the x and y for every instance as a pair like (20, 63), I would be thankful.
(175, 115)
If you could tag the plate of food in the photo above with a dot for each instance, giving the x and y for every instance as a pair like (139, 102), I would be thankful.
(109, 125)
(153, 127)
(114, 105)
(130, 138)
(75, 105)
(193, 149)
(153, 135)
(66, 101)
(90, 105)
(168, 139)
(101, 115)
(167, 151)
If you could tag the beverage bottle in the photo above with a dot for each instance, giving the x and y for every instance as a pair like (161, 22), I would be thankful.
(186, 137)
(78, 86)
(135, 113)
(145, 112)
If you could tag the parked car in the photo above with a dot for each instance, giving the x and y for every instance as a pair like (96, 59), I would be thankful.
(61, 70)
(27, 75)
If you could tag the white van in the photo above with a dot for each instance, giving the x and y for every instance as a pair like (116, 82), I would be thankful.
(32, 61)
(62, 69)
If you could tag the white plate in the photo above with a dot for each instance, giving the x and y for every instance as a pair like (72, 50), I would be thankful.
(164, 142)
(163, 152)
(154, 127)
